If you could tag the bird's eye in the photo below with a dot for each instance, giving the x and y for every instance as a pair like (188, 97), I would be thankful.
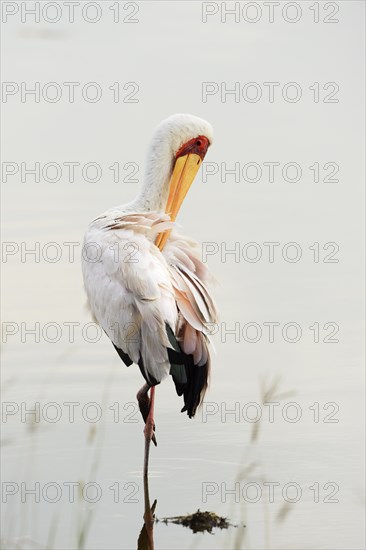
(198, 143)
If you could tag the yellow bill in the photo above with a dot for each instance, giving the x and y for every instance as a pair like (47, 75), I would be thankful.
(184, 172)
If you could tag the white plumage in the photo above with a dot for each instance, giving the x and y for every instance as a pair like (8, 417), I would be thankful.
(135, 290)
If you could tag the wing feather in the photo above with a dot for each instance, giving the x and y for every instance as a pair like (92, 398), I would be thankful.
(153, 305)
(130, 291)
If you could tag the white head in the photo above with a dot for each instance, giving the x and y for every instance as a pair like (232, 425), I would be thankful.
(173, 132)
(181, 136)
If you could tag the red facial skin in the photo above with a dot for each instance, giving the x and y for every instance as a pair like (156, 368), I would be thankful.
(198, 146)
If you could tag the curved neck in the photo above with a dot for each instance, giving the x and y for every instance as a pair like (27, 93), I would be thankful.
(155, 187)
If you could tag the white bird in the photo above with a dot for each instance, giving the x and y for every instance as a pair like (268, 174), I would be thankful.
(146, 285)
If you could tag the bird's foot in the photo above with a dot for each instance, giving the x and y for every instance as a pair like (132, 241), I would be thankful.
(149, 515)
(149, 430)
(146, 406)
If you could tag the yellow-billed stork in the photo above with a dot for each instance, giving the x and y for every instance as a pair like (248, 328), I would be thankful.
(146, 285)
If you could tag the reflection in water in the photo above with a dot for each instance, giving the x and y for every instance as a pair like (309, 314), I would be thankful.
(73, 524)
(206, 521)
(199, 522)
(146, 537)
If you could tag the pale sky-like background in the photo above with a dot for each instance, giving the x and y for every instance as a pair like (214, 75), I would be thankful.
(168, 53)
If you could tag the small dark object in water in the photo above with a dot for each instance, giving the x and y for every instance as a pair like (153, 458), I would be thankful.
(199, 521)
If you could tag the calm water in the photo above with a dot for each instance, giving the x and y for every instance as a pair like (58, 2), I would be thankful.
(221, 461)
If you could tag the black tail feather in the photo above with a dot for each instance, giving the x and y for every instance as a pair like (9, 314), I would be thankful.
(190, 380)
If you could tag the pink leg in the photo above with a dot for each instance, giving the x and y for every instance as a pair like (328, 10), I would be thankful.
(149, 430)
(149, 424)
(144, 406)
